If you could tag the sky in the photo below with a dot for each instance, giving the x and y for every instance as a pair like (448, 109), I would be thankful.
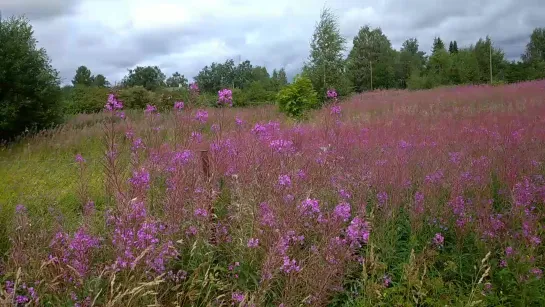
(112, 36)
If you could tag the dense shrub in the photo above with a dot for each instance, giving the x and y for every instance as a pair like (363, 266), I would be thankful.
(297, 97)
(166, 97)
(419, 82)
(137, 97)
(85, 99)
(29, 86)
(254, 94)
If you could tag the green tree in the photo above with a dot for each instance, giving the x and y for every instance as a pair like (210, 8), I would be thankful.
(297, 98)
(465, 68)
(30, 93)
(483, 50)
(453, 47)
(371, 61)
(217, 76)
(439, 67)
(535, 49)
(282, 78)
(325, 64)
(149, 77)
(177, 80)
(274, 80)
(243, 75)
(83, 77)
(409, 59)
(437, 45)
(100, 81)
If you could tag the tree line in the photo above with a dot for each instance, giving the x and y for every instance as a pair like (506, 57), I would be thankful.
(373, 63)
(31, 96)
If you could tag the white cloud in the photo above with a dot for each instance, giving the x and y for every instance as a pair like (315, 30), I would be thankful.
(110, 36)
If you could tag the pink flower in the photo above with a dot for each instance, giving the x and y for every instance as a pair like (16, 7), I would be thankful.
(331, 94)
(178, 105)
(113, 104)
(201, 116)
(150, 109)
(80, 159)
(201, 212)
(438, 240)
(336, 110)
(253, 243)
(237, 297)
(225, 97)
(342, 211)
(194, 87)
(284, 180)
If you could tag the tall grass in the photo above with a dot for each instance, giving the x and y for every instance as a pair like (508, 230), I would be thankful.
(402, 198)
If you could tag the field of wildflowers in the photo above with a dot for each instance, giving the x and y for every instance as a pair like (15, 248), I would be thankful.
(394, 198)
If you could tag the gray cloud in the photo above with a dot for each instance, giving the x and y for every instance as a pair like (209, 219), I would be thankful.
(274, 34)
(38, 9)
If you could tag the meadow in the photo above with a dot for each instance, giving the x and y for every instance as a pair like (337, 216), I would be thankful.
(387, 198)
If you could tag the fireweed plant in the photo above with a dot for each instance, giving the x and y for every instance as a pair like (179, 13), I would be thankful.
(429, 198)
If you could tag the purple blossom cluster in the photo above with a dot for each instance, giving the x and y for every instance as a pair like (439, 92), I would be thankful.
(23, 295)
(179, 105)
(137, 241)
(150, 109)
(75, 251)
(342, 211)
(201, 116)
(284, 181)
(331, 94)
(438, 240)
(357, 233)
(140, 179)
(194, 87)
(282, 146)
(113, 103)
(225, 97)
(309, 207)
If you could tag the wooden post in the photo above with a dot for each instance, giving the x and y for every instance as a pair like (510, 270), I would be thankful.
(205, 163)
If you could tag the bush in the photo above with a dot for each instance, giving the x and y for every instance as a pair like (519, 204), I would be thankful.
(168, 96)
(298, 97)
(29, 86)
(137, 97)
(86, 99)
(254, 94)
(420, 82)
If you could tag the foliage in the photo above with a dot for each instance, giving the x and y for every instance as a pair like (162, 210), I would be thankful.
(149, 77)
(438, 44)
(409, 59)
(297, 98)
(137, 97)
(213, 78)
(370, 63)
(453, 47)
(100, 81)
(535, 49)
(177, 80)
(325, 64)
(85, 99)
(83, 77)
(29, 86)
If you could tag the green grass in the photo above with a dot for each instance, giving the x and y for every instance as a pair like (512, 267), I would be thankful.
(45, 176)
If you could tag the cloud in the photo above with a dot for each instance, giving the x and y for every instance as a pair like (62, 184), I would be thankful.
(38, 9)
(111, 36)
